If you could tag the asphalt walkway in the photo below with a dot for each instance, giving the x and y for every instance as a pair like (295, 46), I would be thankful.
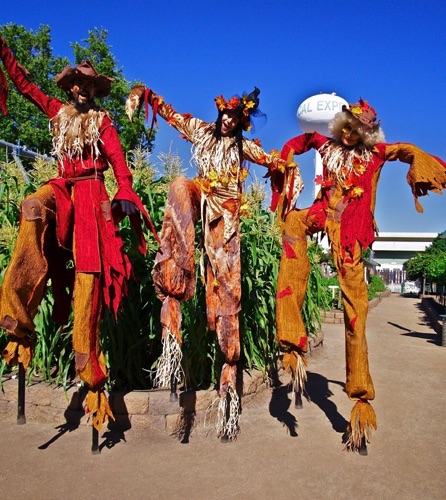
(281, 452)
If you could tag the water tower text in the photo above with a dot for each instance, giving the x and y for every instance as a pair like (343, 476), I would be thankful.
(320, 105)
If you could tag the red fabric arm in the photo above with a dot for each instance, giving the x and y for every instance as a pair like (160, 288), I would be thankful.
(112, 149)
(20, 77)
(303, 143)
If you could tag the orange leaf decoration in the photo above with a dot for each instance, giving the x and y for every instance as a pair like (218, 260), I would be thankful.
(233, 103)
(261, 159)
(231, 205)
(220, 102)
(171, 120)
(243, 174)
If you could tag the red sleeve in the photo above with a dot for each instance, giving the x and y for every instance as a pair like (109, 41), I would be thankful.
(20, 77)
(112, 149)
(111, 146)
(302, 143)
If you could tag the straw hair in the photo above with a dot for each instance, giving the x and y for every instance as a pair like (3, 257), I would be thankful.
(369, 136)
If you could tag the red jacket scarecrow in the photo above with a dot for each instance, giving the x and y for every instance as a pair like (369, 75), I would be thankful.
(71, 218)
(343, 209)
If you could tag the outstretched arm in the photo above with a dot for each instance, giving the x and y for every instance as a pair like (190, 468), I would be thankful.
(426, 172)
(285, 175)
(282, 198)
(21, 79)
(140, 96)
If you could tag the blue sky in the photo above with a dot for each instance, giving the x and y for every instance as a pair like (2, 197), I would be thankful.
(391, 53)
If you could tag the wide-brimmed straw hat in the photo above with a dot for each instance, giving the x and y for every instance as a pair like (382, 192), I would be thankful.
(84, 70)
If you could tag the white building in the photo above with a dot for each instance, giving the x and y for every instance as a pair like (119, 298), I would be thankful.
(391, 250)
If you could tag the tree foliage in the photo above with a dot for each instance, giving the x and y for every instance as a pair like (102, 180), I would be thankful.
(430, 264)
(25, 124)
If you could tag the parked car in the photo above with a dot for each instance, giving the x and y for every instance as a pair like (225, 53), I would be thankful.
(410, 288)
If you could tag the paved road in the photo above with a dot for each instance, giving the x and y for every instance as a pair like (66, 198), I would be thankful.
(281, 452)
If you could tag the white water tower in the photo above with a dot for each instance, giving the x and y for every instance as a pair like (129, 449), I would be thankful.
(314, 114)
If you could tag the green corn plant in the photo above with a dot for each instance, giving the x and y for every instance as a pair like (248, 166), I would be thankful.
(132, 343)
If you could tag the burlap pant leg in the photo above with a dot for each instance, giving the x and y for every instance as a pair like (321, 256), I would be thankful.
(87, 306)
(223, 290)
(359, 383)
(223, 299)
(174, 269)
(293, 279)
(25, 278)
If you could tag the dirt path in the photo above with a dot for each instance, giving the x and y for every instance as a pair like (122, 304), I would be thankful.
(281, 451)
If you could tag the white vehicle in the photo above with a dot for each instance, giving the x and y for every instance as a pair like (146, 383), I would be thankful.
(410, 288)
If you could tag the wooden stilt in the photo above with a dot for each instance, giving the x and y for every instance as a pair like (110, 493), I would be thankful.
(298, 400)
(21, 419)
(173, 389)
(95, 441)
(297, 394)
(363, 449)
(225, 437)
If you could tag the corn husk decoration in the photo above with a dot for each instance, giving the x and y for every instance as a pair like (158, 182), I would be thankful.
(228, 415)
(362, 423)
(169, 363)
(98, 408)
(295, 363)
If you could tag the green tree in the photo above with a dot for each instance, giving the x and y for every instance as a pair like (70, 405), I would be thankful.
(133, 134)
(430, 264)
(25, 124)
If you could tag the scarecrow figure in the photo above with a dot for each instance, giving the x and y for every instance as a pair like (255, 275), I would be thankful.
(344, 208)
(215, 195)
(71, 218)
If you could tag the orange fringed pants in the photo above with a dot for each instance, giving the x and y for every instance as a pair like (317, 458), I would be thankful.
(22, 290)
(292, 285)
(174, 273)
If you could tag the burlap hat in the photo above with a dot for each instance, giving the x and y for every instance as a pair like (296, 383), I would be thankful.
(363, 112)
(85, 69)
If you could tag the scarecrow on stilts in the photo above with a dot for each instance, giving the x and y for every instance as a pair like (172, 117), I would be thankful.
(352, 162)
(71, 219)
(219, 152)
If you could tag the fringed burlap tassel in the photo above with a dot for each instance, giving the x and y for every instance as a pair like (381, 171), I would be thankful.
(228, 418)
(362, 422)
(18, 351)
(169, 363)
(98, 408)
(295, 363)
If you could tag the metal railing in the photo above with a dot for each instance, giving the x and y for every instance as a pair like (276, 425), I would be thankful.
(17, 151)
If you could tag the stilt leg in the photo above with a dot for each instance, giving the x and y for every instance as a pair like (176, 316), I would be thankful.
(298, 396)
(225, 438)
(21, 419)
(95, 441)
(363, 449)
(173, 387)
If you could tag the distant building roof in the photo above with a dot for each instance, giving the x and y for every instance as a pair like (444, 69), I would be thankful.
(403, 242)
